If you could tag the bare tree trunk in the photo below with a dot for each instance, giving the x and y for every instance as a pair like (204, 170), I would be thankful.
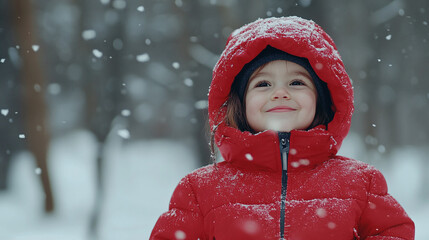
(34, 103)
(103, 95)
(200, 131)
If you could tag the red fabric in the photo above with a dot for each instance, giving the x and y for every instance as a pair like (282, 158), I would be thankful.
(328, 196)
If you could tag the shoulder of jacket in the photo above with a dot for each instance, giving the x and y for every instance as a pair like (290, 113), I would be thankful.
(353, 165)
(372, 177)
(208, 173)
(201, 174)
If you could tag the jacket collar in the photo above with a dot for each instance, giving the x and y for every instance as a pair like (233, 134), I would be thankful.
(262, 151)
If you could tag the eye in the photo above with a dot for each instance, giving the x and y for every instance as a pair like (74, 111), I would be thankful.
(297, 83)
(263, 84)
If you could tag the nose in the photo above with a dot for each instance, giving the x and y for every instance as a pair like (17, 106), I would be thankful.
(280, 93)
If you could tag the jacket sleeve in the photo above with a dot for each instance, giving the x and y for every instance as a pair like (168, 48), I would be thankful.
(183, 220)
(383, 218)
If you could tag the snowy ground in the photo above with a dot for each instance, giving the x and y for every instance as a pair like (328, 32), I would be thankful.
(141, 178)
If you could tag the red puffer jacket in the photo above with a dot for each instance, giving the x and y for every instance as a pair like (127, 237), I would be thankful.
(283, 185)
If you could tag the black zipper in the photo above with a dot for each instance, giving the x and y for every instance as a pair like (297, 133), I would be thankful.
(284, 151)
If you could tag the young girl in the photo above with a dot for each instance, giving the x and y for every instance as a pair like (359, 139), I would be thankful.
(280, 105)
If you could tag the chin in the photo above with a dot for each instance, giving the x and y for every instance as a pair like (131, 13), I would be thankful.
(278, 126)
(282, 130)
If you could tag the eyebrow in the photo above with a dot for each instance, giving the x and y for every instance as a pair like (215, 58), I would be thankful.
(258, 74)
(295, 73)
(305, 74)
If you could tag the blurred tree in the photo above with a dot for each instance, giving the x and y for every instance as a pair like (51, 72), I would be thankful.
(103, 71)
(33, 82)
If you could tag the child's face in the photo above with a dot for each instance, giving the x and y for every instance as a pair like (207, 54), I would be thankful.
(280, 96)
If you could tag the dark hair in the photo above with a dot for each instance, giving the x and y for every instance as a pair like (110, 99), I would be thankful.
(236, 111)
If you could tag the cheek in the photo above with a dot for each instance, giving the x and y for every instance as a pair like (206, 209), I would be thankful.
(308, 101)
(254, 103)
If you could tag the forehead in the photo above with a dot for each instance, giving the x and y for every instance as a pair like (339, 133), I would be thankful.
(280, 66)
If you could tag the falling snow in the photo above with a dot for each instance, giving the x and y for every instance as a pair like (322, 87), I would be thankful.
(251, 227)
(125, 112)
(202, 104)
(178, 3)
(176, 65)
(305, 3)
(321, 212)
(89, 34)
(332, 225)
(119, 4)
(143, 57)
(124, 133)
(54, 88)
(381, 149)
(37, 87)
(4, 112)
(97, 53)
(188, 82)
(140, 8)
(304, 162)
(180, 235)
(35, 47)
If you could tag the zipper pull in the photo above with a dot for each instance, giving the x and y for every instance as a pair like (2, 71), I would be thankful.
(284, 149)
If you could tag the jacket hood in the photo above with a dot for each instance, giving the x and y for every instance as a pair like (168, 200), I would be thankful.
(299, 37)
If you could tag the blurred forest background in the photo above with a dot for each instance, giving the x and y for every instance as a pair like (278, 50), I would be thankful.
(141, 70)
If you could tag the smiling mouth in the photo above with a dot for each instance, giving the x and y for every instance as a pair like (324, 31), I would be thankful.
(281, 109)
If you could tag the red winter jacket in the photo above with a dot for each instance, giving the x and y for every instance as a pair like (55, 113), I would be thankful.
(316, 195)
